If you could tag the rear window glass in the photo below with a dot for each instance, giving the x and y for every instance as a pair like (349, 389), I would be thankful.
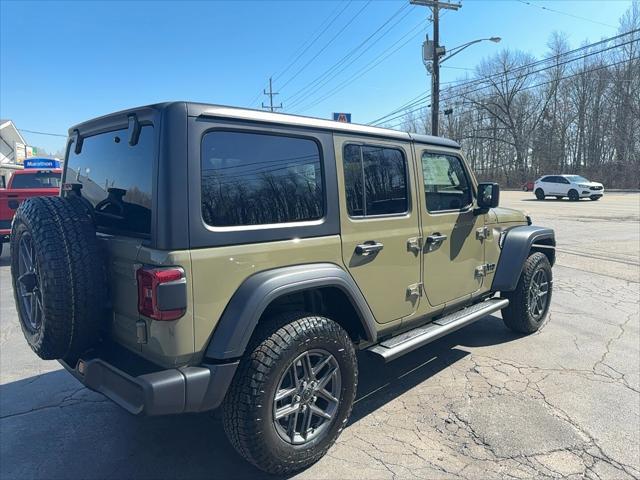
(36, 180)
(116, 179)
(257, 179)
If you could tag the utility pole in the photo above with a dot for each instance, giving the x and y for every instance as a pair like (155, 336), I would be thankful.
(436, 52)
(271, 93)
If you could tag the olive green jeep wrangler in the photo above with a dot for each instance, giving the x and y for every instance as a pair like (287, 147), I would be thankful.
(202, 256)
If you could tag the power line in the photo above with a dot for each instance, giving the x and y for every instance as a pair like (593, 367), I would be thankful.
(522, 67)
(308, 45)
(452, 90)
(315, 39)
(43, 133)
(582, 72)
(318, 81)
(531, 4)
(367, 67)
(481, 80)
(327, 44)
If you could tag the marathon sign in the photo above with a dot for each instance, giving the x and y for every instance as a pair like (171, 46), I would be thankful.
(342, 117)
(41, 163)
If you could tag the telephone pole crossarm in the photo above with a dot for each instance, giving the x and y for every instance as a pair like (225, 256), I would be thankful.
(270, 94)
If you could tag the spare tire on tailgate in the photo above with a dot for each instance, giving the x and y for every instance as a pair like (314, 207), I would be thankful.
(59, 276)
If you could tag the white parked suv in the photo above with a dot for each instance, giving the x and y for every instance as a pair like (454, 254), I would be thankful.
(573, 186)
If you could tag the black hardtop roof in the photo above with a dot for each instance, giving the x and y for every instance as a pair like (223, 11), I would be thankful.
(245, 114)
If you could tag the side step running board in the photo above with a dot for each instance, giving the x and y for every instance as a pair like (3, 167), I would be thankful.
(406, 342)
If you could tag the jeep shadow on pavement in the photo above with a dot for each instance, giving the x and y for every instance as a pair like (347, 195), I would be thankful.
(204, 257)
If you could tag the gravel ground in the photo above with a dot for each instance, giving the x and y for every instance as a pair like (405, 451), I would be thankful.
(481, 403)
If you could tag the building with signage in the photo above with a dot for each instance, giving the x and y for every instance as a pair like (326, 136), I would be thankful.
(13, 146)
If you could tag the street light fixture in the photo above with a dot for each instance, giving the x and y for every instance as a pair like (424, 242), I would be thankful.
(433, 55)
(459, 48)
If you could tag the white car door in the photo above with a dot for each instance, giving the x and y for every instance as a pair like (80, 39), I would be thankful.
(563, 186)
(551, 185)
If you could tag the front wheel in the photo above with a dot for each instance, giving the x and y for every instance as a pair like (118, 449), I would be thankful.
(574, 196)
(540, 194)
(528, 307)
(292, 394)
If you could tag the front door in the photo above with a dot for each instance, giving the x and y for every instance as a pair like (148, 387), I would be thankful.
(452, 231)
(379, 216)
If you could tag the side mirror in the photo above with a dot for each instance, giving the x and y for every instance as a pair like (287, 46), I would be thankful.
(488, 195)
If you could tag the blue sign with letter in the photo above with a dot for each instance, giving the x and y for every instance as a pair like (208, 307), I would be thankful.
(34, 162)
(342, 117)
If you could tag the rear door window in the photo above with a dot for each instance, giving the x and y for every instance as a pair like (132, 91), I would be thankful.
(258, 179)
(117, 179)
(375, 181)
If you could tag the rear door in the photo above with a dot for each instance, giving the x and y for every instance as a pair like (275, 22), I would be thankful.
(379, 222)
(563, 186)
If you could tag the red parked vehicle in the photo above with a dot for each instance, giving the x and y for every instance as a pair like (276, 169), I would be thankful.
(30, 182)
(527, 187)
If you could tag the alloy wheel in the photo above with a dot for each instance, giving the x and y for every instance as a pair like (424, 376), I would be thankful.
(29, 285)
(307, 398)
(538, 295)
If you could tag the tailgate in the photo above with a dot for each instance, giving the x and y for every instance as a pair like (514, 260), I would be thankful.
(11, 199)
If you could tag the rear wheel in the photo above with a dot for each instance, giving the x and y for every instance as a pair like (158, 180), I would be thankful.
(528, 307)
(540, 194)
(573, 195)
(292, 394)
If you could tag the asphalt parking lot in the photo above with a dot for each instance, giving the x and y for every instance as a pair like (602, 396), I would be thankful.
(481, 403)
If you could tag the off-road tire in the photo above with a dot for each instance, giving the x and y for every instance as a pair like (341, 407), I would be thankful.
(516, 315)
(574, 196)
(539, 194)
(247, 409)
(71, 275)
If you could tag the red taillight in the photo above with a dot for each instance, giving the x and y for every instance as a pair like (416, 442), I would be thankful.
(149, 279)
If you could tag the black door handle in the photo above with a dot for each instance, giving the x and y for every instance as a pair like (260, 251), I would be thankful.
(368, 248)
(436, 238)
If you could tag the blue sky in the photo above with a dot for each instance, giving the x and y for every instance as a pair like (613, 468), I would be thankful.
(65, 62)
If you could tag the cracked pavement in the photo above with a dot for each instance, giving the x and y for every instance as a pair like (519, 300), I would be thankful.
(481, 403)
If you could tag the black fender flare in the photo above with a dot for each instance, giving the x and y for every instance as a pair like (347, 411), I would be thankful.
(516, 245)
(240, 317)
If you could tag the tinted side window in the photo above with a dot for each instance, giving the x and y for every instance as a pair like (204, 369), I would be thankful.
(116, 179)
(257, 179)
(446, 186)
(375, 180)
(547, 179)
(563, 180)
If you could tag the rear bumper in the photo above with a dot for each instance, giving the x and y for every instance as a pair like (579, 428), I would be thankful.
(163, 392)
